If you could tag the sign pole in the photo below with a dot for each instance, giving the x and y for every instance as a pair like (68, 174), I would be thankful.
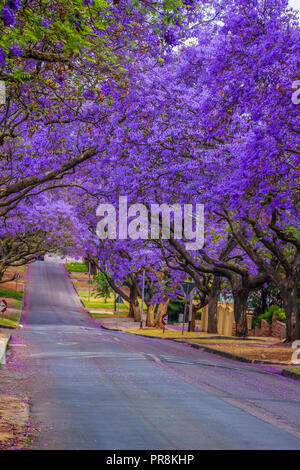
(191, 307)
(118, 314)
(3, 307)
(119, 301)
(183, 320)
(89, 280)
(190, 312)
(143, 296)
(164, 321)
(188, 288)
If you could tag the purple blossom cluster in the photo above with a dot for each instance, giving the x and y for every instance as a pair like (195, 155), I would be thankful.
(8, 16)
(8, 12)
(2, 57)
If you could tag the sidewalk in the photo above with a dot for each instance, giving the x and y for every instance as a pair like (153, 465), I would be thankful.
(124, 324)
(4, 339)
(15, 427)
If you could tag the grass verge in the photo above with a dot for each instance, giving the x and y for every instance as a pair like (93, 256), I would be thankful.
(9, 322)
(77, 267)
(262, 351)
(12, 315)
(158, 333)
(11, 294)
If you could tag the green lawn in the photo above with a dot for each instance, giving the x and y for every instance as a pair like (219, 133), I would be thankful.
(99, 302)
(296, 369)
(11, 318)
(85, 293)
(8, 322)
(77, 267)
(94, 303)
(11, 294)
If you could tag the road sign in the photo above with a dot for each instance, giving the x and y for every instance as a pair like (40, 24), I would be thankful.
(3, 306)
(188, 287)
(119, 300)
(164, 319)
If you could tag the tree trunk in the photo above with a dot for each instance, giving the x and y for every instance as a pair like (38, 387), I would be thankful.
(134, 310)
(292, 313)
(212, 314)
(150, 315)
(212, 326)
(162, 309)
(263, 307)
(240, 311)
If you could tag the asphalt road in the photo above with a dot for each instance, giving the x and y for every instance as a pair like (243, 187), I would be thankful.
(97, 389)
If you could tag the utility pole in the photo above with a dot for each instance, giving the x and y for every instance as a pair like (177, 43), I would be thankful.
(187, 289)
(143, 297)
(191, 308)
(89, 280)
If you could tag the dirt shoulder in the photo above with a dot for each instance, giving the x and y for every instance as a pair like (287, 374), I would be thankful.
(15, 427)
(260, 349)
(14, 417)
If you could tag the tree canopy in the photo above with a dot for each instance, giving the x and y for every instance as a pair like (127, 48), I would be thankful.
(176, 102)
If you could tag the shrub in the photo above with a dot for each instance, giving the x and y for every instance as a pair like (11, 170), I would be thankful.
(102, 288)
(174, 308)
(198, 315)
(272, 313)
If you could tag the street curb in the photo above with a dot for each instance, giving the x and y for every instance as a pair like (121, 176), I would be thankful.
(291, 374)
(3, 349)
(111, 329)
(235, 357)
(217, 352)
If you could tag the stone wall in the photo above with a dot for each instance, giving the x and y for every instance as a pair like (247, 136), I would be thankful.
(276, 329)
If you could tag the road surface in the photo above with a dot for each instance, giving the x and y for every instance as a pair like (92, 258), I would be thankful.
(97, 389)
